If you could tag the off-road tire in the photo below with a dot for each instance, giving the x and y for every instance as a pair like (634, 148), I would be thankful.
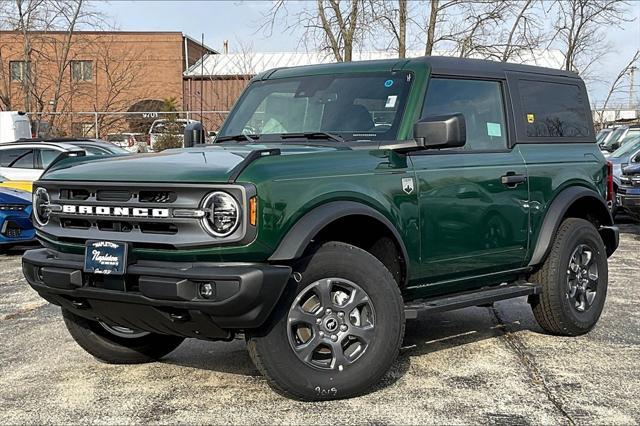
(274, 357)
(552, 308)
(112, 349)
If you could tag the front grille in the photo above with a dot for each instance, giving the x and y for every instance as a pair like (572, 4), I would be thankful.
(74, 194)
(138, 213)
(122, 195)
(157, 196)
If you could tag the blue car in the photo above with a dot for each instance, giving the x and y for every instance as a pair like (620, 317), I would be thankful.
(15, 217)
(629, 190)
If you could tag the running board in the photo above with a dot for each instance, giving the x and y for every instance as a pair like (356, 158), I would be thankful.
(483, 296)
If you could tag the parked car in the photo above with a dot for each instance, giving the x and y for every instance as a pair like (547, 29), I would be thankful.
(629, 190)
(621, 157)
(602, 135)
(161, 126)
(319, 232)
(619, 137)
(132, 142)
(15, 221)
(25, 160)
(14, 125)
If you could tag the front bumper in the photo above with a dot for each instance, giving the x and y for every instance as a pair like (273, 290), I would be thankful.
(628, 199)
(16, 229)
(161, 297)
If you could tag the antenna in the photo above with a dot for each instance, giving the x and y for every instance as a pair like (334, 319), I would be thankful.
(632, 88)
(202, 79)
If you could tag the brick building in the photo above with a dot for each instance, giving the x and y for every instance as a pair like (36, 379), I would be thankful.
(50, 72)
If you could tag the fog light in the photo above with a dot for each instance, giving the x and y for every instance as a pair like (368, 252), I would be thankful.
(207, 290)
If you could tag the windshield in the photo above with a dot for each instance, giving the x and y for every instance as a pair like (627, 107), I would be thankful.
(354, 106)
(602, 136)
(615, 136)
(631, 144)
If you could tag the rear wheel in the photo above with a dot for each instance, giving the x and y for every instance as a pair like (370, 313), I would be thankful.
(338, 332)
(118, 345)
(574, 280)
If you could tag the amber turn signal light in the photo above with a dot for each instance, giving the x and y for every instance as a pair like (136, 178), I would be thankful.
(253, 210)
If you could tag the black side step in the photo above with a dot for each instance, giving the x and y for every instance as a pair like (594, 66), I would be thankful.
(483, 296)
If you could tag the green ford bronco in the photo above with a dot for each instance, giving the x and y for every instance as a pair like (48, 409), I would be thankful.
(337, 202)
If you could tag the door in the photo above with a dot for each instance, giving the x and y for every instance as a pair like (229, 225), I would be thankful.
(473, 200)
(19, 164)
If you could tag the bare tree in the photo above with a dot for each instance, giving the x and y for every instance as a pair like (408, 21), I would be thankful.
(580, 27)
(394, 18)
(520, 36)
(122, 79)
(476, 31)
(336, 26)
(617, 86)
(437, 17)
(46, 29)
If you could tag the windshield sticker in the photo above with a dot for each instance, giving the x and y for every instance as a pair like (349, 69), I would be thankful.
(391, 101)
(531, 118)
(494, 129)
(388, 83)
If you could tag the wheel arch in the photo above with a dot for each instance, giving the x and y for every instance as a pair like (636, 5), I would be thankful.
(578, 202)
(322, 219)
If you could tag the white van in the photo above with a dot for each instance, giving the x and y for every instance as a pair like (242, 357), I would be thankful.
(14, 125)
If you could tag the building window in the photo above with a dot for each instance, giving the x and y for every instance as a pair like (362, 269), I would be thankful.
(19, 70)
(82, 70)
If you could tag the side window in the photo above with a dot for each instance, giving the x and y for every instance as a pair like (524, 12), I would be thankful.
(21, 158)
(47, 156)
(25, 161)
(480, 102)
(553, 109)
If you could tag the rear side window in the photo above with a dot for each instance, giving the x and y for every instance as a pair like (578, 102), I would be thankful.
(481, 104)
(553, 110)
(18, 158)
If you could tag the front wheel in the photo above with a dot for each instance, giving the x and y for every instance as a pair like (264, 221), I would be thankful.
(118, 345)
(338, 333)
(574, 280)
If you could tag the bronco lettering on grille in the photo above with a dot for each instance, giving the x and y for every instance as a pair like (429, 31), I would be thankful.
(115, 211)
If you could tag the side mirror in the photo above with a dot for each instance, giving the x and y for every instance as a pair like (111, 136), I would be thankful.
(194, 134)
(441, 131)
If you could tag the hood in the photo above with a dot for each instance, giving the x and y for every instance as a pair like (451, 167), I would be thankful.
(209, 164)
(632, 170)
(14, 196)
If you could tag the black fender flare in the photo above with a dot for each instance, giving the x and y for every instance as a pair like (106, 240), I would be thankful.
(556, 213)
(297, 239)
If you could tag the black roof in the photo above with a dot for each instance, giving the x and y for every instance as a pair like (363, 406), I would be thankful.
(465, 66)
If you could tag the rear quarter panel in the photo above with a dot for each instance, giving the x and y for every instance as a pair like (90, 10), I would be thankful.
(554, 167)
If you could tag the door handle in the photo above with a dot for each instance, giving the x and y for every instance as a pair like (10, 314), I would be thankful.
(511, 180)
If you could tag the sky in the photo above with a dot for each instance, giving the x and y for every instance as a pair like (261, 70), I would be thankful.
(239, 21)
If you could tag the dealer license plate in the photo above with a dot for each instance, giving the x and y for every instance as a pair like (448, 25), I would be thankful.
(105, 257)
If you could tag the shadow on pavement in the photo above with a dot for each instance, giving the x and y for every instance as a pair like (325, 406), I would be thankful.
(627, 224)
(16, 250)
(429, 334)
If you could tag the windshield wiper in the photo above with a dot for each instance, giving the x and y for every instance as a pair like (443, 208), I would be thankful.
(313, 135)
(238, 137)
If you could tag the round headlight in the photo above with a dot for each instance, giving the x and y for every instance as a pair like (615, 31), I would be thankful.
(222, 214)
(41, 206)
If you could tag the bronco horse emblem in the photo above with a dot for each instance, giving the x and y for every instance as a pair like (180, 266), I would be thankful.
(407, 185)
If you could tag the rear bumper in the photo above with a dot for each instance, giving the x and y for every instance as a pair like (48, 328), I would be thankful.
(161, 297)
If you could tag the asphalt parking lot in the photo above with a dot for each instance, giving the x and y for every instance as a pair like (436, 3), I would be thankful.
(477, 365)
